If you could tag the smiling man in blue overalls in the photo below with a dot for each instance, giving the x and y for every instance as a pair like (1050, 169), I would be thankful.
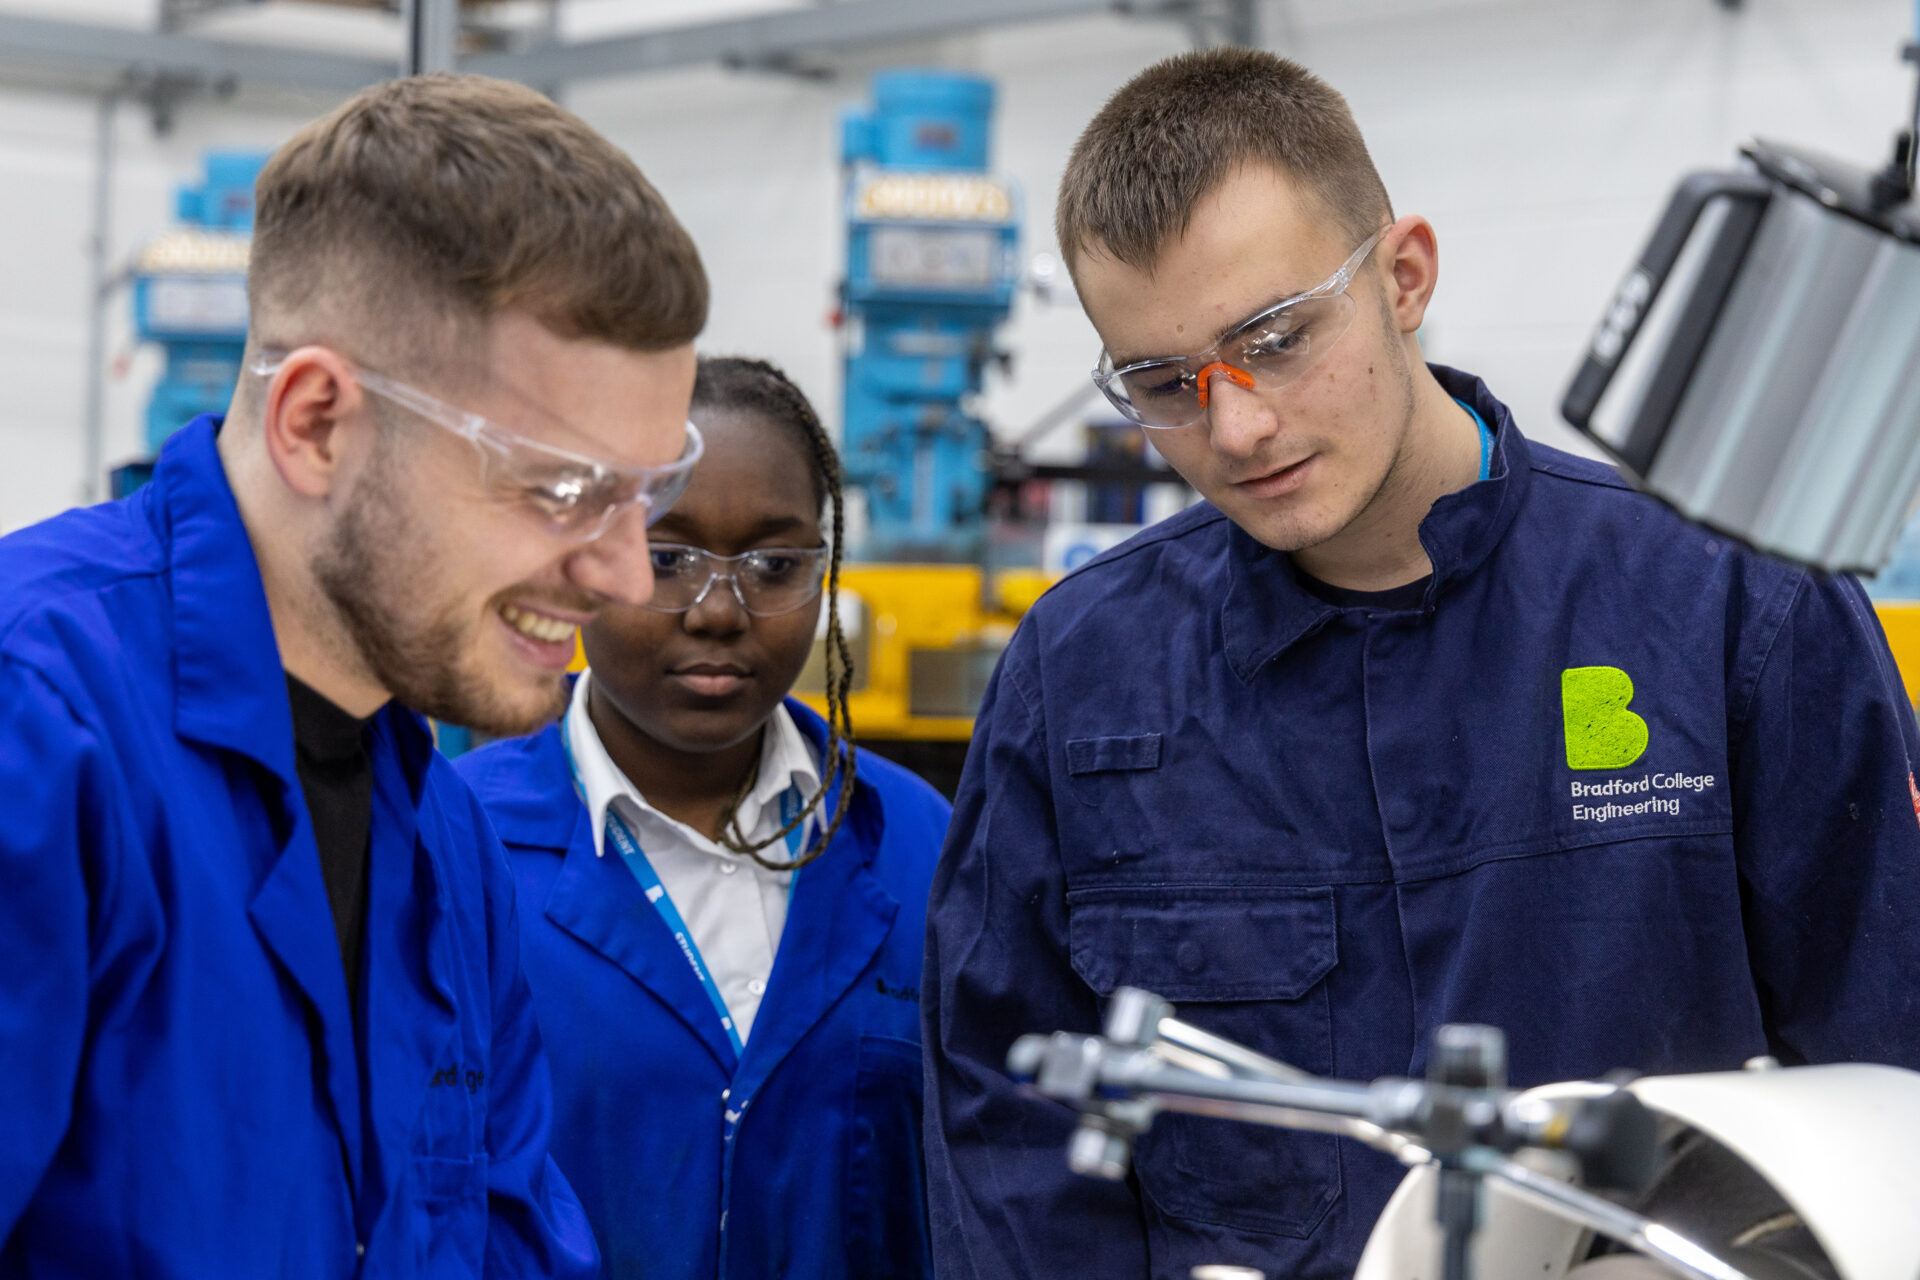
(262, 1011)
(1412, 722)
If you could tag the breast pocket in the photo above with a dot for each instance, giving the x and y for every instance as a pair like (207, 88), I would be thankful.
(1118, 779)
(449, 1214)
(886, 1176)
(1249, 964)
(1103, 771)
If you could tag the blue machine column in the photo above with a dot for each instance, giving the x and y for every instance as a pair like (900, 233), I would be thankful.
(932, 265)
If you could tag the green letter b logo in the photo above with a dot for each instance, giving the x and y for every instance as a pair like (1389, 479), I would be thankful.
(1601, 732)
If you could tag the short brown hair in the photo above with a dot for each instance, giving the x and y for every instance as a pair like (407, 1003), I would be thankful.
(1173, 134)
(422, 206)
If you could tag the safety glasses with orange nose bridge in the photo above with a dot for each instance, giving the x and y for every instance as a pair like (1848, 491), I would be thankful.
(1267, 350)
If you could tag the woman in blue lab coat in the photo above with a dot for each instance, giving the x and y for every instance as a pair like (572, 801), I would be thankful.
(722, 902)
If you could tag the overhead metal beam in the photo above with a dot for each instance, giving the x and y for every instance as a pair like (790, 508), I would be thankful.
(178, 15)
(770, 39)
(98, 48)
(762, 40)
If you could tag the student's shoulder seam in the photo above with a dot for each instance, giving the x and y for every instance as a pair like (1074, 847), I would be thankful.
(32, 671)
(1188, 523)
(1582, 471)
(1790, 591)
(36, 610)
(1184, 524)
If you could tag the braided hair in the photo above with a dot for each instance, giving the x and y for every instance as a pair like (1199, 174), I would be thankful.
(730, 382)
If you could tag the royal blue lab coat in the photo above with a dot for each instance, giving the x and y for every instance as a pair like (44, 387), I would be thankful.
(180, 1096)
(1326, 831)
(804, 1157)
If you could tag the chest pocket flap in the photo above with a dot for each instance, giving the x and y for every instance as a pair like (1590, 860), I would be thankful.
(1202, 943)
(1103, 755)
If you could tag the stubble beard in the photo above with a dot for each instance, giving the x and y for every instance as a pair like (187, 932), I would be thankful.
(375, 568)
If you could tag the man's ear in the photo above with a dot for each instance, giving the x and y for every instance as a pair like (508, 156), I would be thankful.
(1412, 255)
(305, 403)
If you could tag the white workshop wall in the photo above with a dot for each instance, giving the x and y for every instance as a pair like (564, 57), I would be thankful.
(1540, 136)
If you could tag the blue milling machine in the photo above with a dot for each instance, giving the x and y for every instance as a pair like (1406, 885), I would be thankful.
(190, 298)
(932, 267)
(932, 270)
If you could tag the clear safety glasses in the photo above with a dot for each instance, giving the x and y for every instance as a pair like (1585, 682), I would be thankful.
(577, 497)
(1265, 351)
(768, 581)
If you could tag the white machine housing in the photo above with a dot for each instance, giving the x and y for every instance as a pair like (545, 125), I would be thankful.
(1841, 1144)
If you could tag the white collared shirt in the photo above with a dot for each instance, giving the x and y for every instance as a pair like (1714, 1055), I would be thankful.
(734, 907)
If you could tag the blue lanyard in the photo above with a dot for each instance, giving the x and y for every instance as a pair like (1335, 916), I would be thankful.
(1486, 438)
(636, 859)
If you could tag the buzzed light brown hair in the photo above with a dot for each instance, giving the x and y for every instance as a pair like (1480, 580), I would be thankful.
(1176, 131)
(421, 208)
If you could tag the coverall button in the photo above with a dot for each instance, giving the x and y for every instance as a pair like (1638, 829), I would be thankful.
(1189, 956)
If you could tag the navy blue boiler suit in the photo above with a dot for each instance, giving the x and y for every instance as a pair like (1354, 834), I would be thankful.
(801, 1158)
(1636, 795)
(181, 1091)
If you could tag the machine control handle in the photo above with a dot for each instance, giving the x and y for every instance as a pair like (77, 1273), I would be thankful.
(1636, 293)
(1067, 1067)
(1617, 1140)
(1613, 1135)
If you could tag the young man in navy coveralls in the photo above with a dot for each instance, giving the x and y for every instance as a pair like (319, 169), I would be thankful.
(262, 1012)
(1411, 722)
